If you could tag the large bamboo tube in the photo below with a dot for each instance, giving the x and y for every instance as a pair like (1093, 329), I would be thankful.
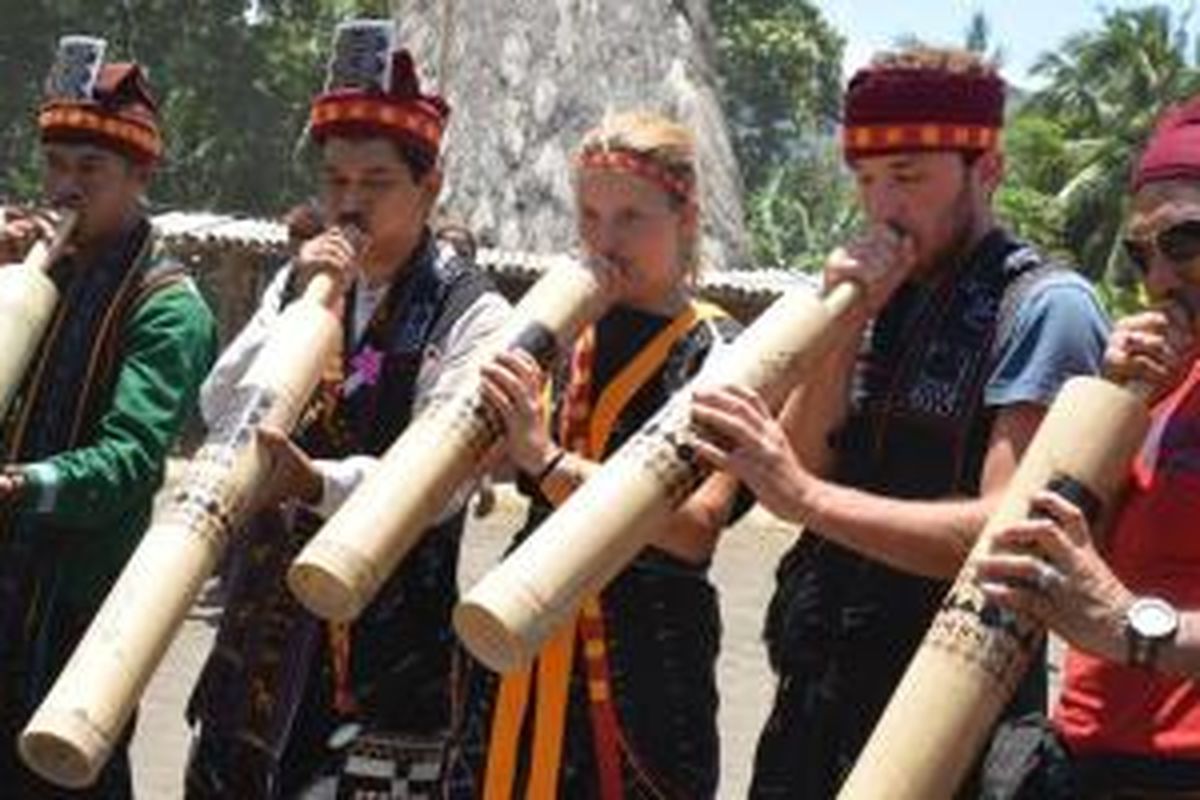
(73, 732)
(27, 301)
(343, 566)
(508, 615)
(974, 655)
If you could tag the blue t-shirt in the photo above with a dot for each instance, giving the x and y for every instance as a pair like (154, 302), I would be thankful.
(1059, 331)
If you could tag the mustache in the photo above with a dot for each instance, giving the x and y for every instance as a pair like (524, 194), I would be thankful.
(352, 219)
(71, 200)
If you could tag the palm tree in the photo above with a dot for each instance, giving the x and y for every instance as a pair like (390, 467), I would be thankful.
(1105, 88)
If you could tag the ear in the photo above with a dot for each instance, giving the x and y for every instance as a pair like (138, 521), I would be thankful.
(689, 218)
(431, 187)
(990, 169)
(142, 171)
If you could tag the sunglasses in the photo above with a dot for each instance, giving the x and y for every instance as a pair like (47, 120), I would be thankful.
(1179, 244)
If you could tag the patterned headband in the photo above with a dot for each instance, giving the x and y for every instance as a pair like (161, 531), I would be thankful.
(643, 167)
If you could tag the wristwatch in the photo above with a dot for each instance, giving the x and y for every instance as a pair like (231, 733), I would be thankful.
(1150, 623)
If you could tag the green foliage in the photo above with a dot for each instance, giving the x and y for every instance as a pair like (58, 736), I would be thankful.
(1033, 216)
(804, 210)
(1037, 153)
(1104, 90)
(1121, 300)
(781, 72)
(233, 89)
(780, 65)
(978, 38)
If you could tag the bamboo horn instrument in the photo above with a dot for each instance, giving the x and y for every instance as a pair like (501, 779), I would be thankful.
(73, 732)
(27, 301)
(509, 614)
(341, 568)
(967, 668)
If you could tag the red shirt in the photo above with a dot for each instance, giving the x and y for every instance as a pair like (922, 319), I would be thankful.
(1155, 549)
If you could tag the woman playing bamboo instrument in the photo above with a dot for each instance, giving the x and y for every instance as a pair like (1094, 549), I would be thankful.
(625, 697)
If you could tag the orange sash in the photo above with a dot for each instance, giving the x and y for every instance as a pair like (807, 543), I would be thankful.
(554, 662)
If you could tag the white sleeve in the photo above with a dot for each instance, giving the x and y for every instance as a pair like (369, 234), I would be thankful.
(439, 377)
(236, 359)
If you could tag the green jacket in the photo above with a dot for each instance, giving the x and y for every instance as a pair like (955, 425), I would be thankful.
(100, 495)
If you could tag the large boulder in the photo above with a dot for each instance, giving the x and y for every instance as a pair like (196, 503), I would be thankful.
(528, 77)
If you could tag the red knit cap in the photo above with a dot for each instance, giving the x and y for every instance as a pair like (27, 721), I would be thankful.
(105, 104)
(1174, 149)
(373, 90)
(895, 109)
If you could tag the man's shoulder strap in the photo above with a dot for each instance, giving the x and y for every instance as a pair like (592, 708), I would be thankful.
(461, 283)
(161, 271)
(1025, 269)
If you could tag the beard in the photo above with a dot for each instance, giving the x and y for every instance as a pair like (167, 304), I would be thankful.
(960, 233)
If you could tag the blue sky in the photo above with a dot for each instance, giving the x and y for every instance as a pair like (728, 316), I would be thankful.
(1024, 28)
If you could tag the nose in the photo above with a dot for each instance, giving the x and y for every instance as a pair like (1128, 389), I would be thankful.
(604, 237)
(1162, 277)
(62, 189)
(881, 202)
(349, 203)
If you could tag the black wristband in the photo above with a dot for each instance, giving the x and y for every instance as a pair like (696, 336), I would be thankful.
(550, 465)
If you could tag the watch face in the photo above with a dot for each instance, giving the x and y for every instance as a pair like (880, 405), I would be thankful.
(1153, 618)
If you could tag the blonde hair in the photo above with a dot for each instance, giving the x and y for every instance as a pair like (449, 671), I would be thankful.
(649, 135)
(661, 141)
(954, 60)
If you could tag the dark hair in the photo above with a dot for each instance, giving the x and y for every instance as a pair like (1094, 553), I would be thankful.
(419, 159)
(458, 236)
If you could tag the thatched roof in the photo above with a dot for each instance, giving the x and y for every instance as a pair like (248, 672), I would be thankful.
(197, 233)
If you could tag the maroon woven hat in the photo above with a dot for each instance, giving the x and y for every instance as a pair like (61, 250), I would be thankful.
(105, 104)
(373, 90)
(1173, 151)
(894, 109)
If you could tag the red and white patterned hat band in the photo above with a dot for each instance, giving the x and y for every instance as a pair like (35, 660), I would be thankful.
(643, 167)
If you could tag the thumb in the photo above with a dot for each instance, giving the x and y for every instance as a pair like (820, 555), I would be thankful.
(272, 436)
(275, 442)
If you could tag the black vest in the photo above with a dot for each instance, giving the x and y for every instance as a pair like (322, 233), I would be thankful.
(265, 695)
(917, 429)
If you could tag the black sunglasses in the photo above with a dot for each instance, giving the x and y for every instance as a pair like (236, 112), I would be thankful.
(1179, 244)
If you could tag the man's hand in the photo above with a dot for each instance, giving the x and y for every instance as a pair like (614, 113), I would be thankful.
(19, 229)
(12, 484)
(879, 260)
(334, 252)
(1154, 347)
(738, 434)
(293, 475)
(1049, 568)
(512, 385)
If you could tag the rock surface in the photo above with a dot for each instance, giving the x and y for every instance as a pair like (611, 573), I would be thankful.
(528, 77)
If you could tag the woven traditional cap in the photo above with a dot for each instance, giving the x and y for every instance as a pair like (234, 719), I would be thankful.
(372, 89)
(88, 100)
(899, 109)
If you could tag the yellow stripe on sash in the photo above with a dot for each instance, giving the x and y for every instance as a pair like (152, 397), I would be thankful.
(555, 659)
(633, 377)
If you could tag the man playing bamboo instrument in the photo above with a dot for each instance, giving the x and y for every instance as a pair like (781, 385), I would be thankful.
(1129, 714)
(894, 457)
(287, 704)
(86, 442)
